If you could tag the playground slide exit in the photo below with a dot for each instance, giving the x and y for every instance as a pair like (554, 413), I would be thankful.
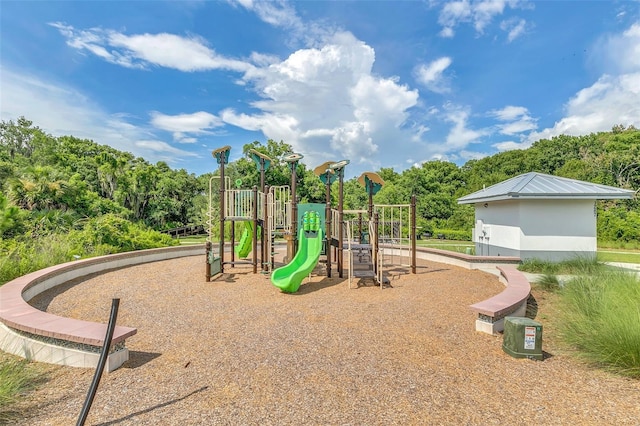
(244, 245)
(289, 277)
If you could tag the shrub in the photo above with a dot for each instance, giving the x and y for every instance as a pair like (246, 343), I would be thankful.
(102, 235)
(453, 234)
(548, 282)
(114, 234)
(16, 377)
(576, 266)
(602, 320)
(20, 258)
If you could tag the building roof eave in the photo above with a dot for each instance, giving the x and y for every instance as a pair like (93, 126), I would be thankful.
(546, 197)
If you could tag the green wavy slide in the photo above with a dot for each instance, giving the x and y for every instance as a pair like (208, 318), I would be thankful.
(244, 246)
(289, 277)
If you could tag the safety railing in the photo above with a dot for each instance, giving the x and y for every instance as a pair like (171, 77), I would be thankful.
(393, 222)
(349, 254)
(335, 223)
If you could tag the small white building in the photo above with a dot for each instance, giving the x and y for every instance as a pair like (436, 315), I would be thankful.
(535, 215)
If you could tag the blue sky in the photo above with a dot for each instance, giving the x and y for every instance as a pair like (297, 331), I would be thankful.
(383, 84)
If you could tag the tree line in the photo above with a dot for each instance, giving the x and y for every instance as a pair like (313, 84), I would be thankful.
(64, 185)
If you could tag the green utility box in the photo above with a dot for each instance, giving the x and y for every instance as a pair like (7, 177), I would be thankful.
(522, 338)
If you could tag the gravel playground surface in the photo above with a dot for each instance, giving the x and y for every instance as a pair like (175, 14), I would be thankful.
(237, 351)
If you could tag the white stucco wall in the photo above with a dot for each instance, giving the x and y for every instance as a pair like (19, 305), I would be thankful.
(500, 222)
(520, 227)
(558, 225)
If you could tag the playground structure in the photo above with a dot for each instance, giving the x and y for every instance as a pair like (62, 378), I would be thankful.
(374, 239)
(264, 211)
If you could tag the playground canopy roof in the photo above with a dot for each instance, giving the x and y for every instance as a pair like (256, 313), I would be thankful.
(371, 181)
(539, 186)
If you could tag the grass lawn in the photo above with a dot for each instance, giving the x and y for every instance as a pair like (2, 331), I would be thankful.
(604, 255)
(618, 256)
(455, 246)
(195, 239)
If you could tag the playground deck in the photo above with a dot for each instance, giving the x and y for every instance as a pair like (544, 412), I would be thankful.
(238, 351)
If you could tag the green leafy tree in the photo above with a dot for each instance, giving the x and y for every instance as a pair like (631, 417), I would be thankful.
(17, 138)
(11, 218)
(41, 187)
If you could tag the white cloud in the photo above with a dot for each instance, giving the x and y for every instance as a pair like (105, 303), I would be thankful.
(472, 155)
(141, 50)
(280, 13)
(479, 14)
(446, 32)
(163, 147)
(514, 27)
(324, 99)
(431, 74)
(517, 120)
(525, 124)
(273, 125)
(609, 101)
(460, 135)
(327, 104)
(509, 113)
(277, 13)
(484, 11)
(620, 53)
(61, 110)
(452, 13)
(511, 145)
(613, 98)
(197, 123)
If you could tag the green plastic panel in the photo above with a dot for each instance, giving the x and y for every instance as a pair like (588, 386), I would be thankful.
(245, 245)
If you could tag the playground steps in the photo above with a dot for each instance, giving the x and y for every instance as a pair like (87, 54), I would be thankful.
(362, 264)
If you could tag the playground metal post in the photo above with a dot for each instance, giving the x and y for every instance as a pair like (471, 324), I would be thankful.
(294, 205)
(221, 155)
(413, 233)
(221, 244)
(373, 240)
(341, 220)
(207, 249)
(339, 169)
(327, 175)
(328, 225)
(263, 162)
(264, 259)
(370, 193)
(233, 241)
(292, 247)
(255, 230)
